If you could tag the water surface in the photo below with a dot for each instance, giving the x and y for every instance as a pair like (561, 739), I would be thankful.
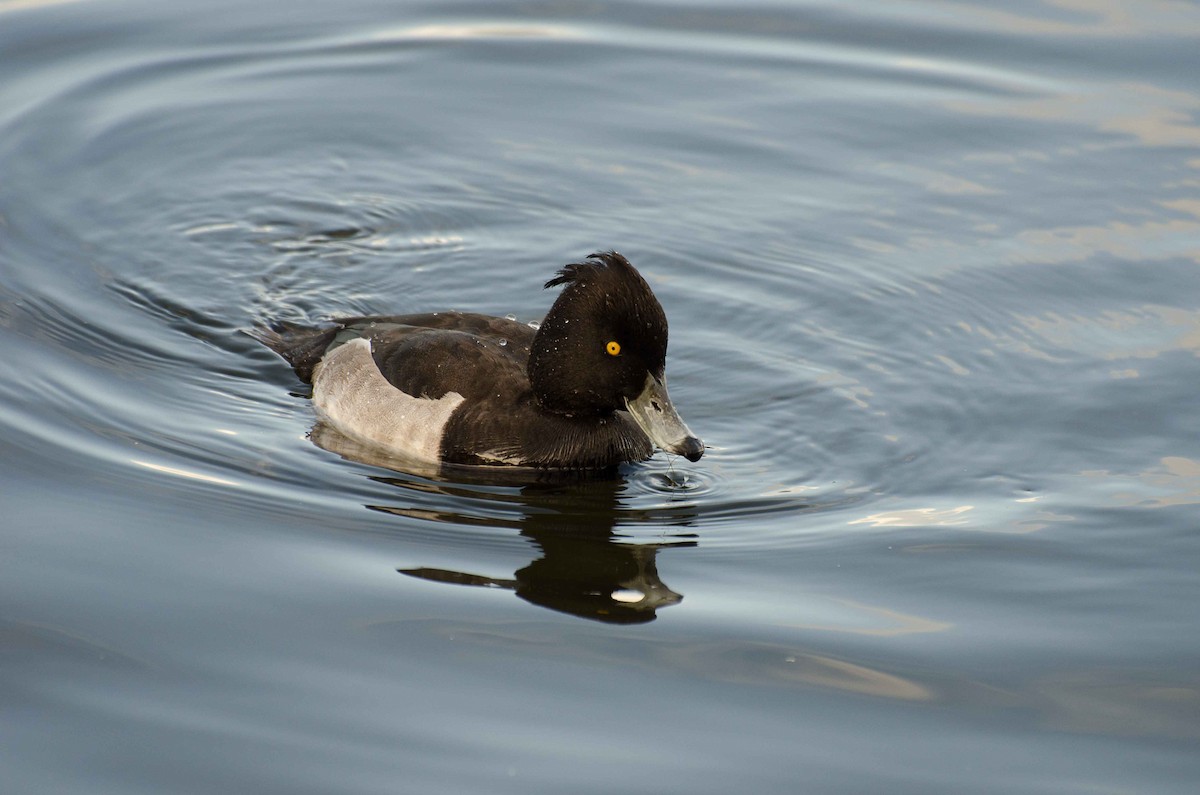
(931, 273)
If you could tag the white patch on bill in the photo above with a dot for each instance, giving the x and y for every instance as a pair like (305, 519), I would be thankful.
(351, 394)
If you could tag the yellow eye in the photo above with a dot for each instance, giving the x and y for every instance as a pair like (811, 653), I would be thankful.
(613, 348)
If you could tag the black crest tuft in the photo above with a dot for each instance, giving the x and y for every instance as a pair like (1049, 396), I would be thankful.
(570, 274)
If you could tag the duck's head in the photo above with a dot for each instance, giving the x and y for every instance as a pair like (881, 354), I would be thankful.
(603, 348)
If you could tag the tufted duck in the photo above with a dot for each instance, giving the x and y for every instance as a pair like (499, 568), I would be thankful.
(585, 390)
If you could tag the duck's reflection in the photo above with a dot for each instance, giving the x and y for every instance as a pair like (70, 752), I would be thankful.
(584, 566)
(605, 582)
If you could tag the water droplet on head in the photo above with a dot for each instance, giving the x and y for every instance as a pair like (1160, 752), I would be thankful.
(533, 324)
(510, 317)
(503, 342)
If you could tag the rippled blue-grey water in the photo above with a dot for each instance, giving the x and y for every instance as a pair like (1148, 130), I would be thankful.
(933, 277)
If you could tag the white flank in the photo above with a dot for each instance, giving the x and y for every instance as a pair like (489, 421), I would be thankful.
(351, 394)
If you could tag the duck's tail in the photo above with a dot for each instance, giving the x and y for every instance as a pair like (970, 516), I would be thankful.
(301, 346)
